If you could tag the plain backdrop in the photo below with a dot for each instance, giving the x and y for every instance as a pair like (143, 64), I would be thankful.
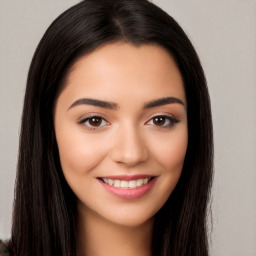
(224, 34)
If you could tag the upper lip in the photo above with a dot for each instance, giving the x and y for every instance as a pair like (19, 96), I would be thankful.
(127, 177)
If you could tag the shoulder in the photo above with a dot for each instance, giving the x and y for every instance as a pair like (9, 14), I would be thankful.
(3, 249)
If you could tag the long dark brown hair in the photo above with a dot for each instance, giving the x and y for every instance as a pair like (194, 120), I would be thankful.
(44, 216)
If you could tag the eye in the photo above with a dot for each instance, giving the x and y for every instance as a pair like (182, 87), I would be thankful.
(94, 122)
(163, 121)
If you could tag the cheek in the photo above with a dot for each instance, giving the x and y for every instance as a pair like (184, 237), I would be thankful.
(170, 153)
(173, 156)
(79, 153)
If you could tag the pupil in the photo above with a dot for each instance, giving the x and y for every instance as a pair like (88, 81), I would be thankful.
(159, 120)
(95, 121)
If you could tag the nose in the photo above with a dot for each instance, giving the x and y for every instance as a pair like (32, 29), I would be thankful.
(129, 147)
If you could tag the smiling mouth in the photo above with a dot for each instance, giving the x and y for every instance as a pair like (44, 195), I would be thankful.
(125, 184)
(128, 186)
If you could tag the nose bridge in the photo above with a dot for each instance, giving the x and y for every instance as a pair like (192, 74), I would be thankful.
(129, 146)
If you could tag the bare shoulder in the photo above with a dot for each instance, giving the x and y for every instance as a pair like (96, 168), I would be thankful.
(3, 249)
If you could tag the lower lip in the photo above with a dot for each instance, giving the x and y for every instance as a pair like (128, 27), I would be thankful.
(129, 193)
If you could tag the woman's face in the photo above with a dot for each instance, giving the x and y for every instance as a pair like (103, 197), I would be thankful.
(121, 129)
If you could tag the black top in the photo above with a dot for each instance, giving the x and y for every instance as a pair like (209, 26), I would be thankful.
(3, 249)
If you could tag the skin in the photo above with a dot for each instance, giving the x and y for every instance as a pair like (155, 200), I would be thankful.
(126, 140)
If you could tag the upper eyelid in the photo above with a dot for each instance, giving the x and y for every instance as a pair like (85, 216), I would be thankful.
(90, 115)
(86, 118)
(167, 115)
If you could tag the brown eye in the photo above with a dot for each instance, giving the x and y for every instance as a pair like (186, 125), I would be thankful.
(95, 121)
(159, 120)
(163, 121)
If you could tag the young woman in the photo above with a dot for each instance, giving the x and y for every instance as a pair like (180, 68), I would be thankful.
(116, 142)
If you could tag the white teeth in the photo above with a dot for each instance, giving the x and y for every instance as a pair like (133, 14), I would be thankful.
(132, 184)
(145, 181)
(140, 182)
(125, 183)
(116, 183)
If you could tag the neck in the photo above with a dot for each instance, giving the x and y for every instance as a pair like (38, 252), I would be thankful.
(98, 236)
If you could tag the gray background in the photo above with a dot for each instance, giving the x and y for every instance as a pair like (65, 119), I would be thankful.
(224, 34)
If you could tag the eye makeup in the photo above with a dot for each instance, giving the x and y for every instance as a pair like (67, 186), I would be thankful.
(94, 122)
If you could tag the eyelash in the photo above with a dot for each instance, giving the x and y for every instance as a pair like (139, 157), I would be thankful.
(170, 119)
(90, 118)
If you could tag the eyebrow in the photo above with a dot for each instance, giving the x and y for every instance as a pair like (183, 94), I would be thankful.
(163, 101)
(94, 102)
(114, 106)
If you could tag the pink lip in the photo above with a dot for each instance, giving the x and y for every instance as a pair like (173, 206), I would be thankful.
(129, 193)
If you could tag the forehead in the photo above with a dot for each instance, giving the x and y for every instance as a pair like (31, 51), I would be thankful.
(121, 70)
